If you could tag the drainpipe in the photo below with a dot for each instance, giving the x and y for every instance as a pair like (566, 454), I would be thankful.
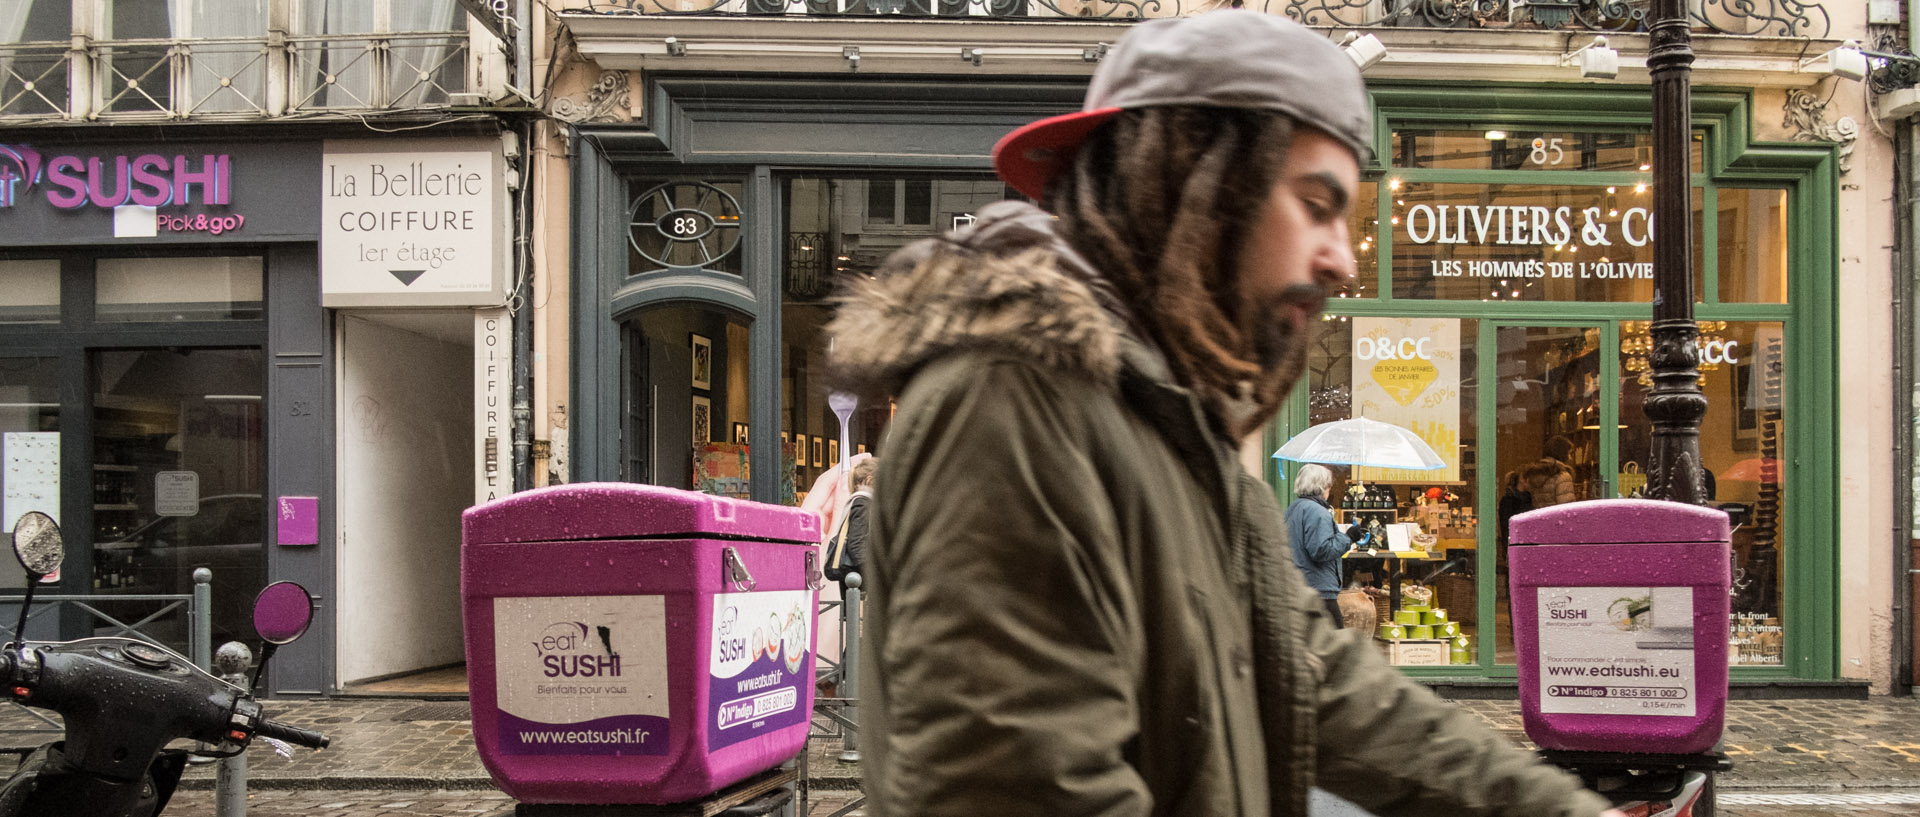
(1907, 240)
(522, 303)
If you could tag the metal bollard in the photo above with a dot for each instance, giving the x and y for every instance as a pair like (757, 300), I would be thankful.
(230, 777)
(200, 622)
(850, 664)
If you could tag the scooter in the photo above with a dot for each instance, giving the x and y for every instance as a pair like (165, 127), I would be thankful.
(1646, 785)
(123, 700)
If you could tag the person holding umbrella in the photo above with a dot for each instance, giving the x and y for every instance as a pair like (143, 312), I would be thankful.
(1317, 543)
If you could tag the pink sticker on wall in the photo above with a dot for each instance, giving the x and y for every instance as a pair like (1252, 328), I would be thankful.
(299, 520)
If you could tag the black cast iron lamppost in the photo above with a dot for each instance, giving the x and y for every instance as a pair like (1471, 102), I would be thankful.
(1675, 404)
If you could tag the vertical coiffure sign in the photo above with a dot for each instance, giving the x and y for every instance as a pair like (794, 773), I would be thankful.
(413, 223)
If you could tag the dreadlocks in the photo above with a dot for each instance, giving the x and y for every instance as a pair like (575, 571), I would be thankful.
(1159, 200)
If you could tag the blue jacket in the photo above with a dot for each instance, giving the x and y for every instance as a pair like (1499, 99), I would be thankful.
(1317, 544)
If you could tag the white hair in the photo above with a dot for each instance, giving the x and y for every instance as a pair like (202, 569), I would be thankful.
(1313, 480)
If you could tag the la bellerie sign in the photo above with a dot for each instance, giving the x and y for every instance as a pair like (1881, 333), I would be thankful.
(413, 223)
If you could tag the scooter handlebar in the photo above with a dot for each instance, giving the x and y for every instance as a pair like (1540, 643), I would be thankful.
(293, 734)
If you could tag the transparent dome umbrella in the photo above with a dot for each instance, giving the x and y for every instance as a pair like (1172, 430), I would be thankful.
(1361, 441)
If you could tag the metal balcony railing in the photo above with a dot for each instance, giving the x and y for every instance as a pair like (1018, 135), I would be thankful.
(1756, 18)
(231, 78)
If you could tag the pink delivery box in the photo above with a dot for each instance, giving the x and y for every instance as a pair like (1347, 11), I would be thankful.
(1620, 625)
(636, 644)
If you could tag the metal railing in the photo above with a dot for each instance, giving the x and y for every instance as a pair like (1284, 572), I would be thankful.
(198, 606)
(232, 78)
(1758, 18)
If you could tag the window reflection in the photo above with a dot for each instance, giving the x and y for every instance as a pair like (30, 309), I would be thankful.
(1753, 246)
(1742, 447)
(178, 480)
(834, 228)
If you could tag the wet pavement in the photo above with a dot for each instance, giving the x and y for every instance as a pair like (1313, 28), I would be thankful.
(412, 757)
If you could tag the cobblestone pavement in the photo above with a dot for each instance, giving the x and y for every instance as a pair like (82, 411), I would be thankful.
(423, 752)
(413, 803)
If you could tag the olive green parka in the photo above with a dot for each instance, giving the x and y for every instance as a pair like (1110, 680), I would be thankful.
(1078, 602)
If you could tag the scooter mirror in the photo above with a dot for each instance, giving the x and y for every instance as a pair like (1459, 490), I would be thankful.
(282, 612)
(36, 543)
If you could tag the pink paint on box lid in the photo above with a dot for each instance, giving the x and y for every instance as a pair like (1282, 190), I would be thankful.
(1625, 521)
(624, 510)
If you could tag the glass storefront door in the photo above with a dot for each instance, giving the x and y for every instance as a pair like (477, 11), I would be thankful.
(1547, 395)
(178, 480)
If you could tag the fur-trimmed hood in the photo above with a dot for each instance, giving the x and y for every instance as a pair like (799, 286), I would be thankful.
(1008, 282)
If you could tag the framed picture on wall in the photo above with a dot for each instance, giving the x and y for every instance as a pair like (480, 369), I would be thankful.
(819, 452)
(740, 433)
(833, 452)
(702, 361)
(800, 450)
(860, 448)
(702, 421)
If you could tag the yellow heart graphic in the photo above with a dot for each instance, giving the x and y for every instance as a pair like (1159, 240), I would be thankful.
(1404, 379)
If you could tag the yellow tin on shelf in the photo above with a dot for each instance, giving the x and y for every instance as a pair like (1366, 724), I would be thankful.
(1406, 617)
(1447, 630)
(1392, 631)
(1434, 616)
(1422, 631)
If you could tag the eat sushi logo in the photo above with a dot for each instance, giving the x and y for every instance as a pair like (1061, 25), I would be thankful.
(1557, 609)
(572, 649)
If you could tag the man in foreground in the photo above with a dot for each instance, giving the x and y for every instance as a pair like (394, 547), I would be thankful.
(1080, 604)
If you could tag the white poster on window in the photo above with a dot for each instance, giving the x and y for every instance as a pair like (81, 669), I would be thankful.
(176, 493)
(1406, 371)
(30, 471)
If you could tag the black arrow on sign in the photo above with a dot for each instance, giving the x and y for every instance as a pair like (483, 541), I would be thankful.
(407, 276)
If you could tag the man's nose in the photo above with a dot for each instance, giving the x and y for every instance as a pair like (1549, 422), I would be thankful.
(1335, 264)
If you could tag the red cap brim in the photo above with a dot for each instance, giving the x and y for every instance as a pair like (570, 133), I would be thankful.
(1029, 157)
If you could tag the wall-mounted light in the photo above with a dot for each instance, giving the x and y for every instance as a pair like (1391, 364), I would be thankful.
(675, 48)
(1366, 50)
(1845, 61)
(972, 55)
(852, 55)
(1496, 136)
(1595, 59)
(1094, 53)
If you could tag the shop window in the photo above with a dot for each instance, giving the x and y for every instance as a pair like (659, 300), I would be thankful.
(33, 79)
(178, 481)
(340, 65)
(1501, 243)
(687, 404)
(829, 234)
(29, 446)
(1363, 226)
(1742, 449)
(900, 202)
(683, 226)
(1546, 394)
(1500, 148)
(179, 289)
(29, 291)
(1753, 246)
(1416, 373)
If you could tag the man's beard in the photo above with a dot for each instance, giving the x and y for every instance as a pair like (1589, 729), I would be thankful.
(1279, 348)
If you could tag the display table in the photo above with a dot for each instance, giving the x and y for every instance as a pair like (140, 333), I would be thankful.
(1394, 563)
